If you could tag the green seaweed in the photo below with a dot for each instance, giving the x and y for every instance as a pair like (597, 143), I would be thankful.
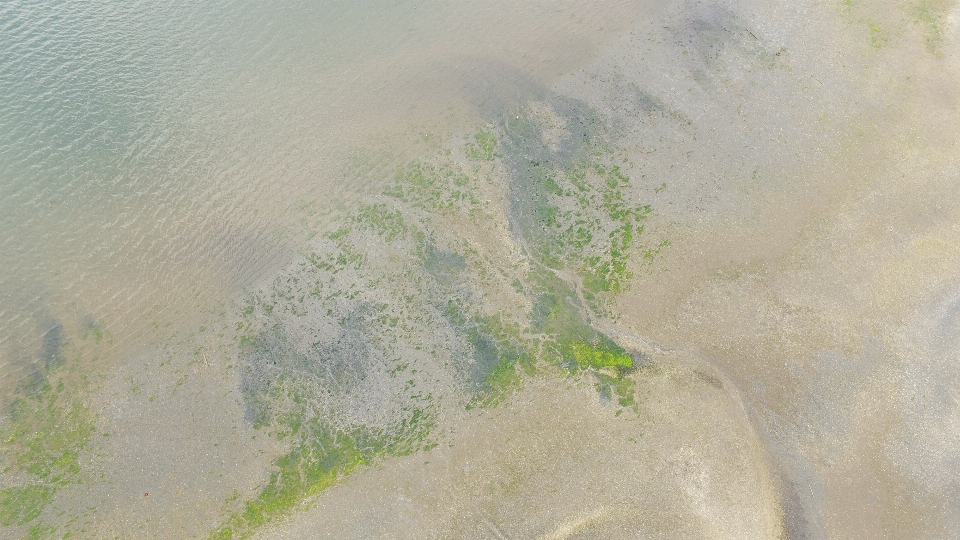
(20, 505)
(589, 356)
(483, 147)
(571, 209)
(283, 386)
(573, 212)
(321, 455)
(574, 344)
(386, 223)
(500, 353)
(930, 15)
(39, 531)
(877, 37)
(437, 187)
(47, 428)
(619, 385)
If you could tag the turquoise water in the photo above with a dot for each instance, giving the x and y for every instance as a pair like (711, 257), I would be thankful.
(478, 270)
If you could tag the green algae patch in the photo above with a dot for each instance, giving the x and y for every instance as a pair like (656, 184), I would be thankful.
(383, 221)
(591, 357)
(320, 457)
(483, 147)
(47, 428)
(878, 38)
(340, 354)
(558, 313)
(47, 433)
(500, 354)
(619, 387)
(575, 345)
(41, 531)
(572, 202)
(311, 342)
(931, 17)
(574, 213)
(607, 271)
(502, 380)
(20, 505)
(439, 186)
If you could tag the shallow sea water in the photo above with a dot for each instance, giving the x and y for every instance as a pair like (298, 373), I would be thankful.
(510, 270)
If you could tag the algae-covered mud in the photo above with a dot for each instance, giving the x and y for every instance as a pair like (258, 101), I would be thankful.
(433, 270)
